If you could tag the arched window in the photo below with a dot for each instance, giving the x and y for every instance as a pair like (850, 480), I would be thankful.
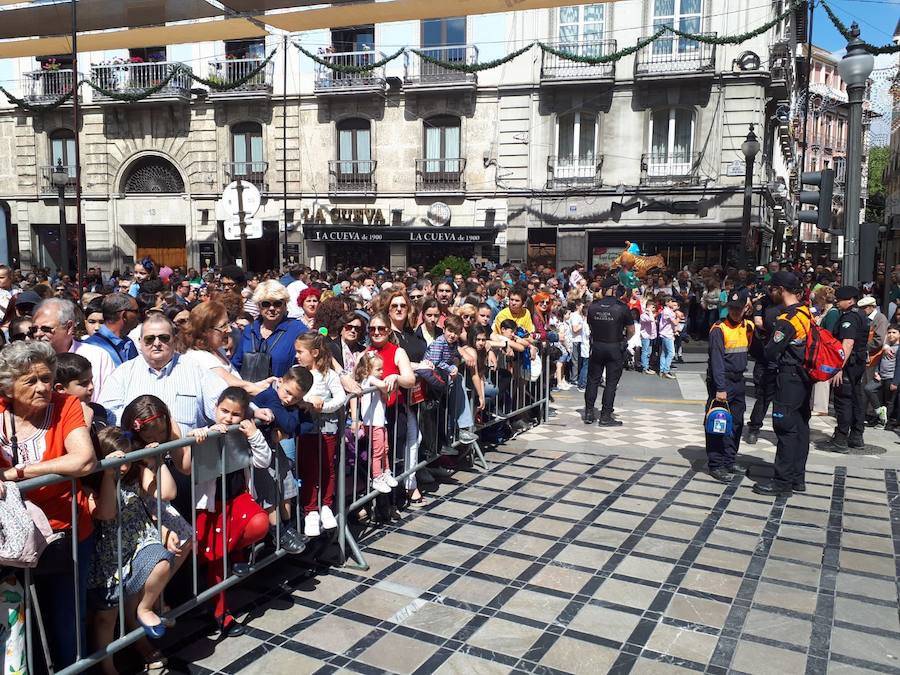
(248, 158)
(152, 174)
(671, 142)
(62, 149)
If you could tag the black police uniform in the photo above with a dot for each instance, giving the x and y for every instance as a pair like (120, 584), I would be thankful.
(764, 371)
(793, 388)
(729, 343)
(608, 319)
(849, 397)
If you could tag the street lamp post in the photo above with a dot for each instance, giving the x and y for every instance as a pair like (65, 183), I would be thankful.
(59, 176)
(750, 148)
(854, 69)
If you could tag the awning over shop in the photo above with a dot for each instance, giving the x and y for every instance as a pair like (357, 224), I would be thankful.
(36, 29)
(349, 234)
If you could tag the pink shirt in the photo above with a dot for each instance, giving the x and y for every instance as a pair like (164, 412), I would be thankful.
(667, 323)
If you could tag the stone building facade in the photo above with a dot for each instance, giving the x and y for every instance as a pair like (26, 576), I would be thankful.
(540, 159)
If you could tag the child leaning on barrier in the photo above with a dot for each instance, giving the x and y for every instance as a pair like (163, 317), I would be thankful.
(370, 414)
(74, 376)
(147, 563)
(233, 514)
(317, 451)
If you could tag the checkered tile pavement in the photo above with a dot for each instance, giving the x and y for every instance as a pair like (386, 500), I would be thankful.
(564, 561)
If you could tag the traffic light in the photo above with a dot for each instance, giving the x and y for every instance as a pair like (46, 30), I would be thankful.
(821, 198)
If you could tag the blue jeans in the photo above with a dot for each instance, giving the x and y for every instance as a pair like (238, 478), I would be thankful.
(582, 372)
(646, 348)
(668, 353)
(460, 406)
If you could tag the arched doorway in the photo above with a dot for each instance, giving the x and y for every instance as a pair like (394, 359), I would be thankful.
(162, 240)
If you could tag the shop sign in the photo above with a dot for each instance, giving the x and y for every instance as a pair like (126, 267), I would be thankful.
(410, 235)
(342, 216)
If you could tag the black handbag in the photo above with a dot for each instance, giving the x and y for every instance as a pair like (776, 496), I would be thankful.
(257, 365)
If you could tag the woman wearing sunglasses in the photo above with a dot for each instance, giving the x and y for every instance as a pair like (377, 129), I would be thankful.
(272, 334)
(346, 348)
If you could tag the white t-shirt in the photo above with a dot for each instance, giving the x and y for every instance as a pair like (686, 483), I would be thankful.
(373, 412)
(208, 360)
(576, 323)
(294, 289)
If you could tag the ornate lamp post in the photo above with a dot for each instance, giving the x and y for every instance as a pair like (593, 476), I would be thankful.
(750, 148)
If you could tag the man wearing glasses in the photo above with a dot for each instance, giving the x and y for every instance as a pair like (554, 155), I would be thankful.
(183, 292)
(120, 316)
(189, 391)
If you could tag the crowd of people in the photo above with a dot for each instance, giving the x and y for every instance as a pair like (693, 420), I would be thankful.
(297, 362)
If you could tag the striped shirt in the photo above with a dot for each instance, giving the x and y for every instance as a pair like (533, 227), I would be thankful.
(188, 390)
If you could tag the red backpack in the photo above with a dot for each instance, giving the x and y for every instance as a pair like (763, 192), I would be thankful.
(824, 355)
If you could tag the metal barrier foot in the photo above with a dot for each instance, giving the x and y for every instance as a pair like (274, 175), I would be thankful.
(358, 559)
(479, 457)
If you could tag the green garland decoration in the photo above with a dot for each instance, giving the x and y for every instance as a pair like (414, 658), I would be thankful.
(843, 30)
(605, 58)
(40, 107)
(350, 70)
(227, 86)
(737, 39)
(141, 95)
(473, 68)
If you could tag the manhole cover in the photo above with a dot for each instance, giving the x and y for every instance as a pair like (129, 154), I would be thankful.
(865, 450)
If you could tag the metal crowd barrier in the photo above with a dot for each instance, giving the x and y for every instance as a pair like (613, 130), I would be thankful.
(515, 396)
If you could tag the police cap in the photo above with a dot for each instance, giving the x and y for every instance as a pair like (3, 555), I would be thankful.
(738, 299)
(846, 293)
(610, 281)
(786, 280)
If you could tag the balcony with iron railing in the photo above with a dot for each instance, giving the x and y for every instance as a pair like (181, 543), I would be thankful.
(556, 69)
(46, 185)
(331, 82)
(352, 176)
(252, 172)
(46, 86)
(674, 56)
(421, 73)
(441, 175)
(670, 169)
(135, 78)
(230, 71)
(564, 173)
(828, 142)
(781, 69)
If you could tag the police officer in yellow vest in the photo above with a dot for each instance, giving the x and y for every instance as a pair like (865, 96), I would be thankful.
(729, 342)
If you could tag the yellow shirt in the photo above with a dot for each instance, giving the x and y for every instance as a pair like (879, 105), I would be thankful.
(522, 321)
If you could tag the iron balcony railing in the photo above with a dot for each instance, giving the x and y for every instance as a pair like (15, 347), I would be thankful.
(440, 175)
(573, 172)
(252, 172)
(665, 168)
(422, 72)
(357, 175)
(781, 66)
(44, 86)
(670, 54)
(229, 71)
(46, 185)
(825, 141)
(329, 81)
(132, 78)
(555, 68)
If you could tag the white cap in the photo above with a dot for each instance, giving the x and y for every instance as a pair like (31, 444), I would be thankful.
(866, 301)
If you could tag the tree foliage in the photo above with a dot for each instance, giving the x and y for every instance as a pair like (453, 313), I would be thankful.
(878, 159)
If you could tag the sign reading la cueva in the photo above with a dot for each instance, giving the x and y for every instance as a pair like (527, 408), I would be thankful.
(411, 235)
(342, 216)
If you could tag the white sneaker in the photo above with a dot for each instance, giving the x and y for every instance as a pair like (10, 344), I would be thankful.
(328, 519)
(389, 479)
(379, 485)
(882, 415)
(565, 386)
(311, 524)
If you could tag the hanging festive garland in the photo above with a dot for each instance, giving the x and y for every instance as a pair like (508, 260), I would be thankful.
(141, 94)
(350, 70)
(605, 58)
(40, 107)
(234, 84)
(470, 67)
(843, 30)
(743, 37)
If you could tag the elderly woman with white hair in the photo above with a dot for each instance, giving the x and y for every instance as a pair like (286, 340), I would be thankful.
(266, 347)
(43, 432)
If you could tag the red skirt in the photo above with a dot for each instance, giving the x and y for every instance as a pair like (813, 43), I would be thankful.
(239, 511)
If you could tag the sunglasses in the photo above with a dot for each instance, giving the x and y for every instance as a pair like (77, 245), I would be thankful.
(375, 330)
(277, 304)
(415, 297)
(165, 338)
(41, 329)
(353, 327)
(399, 305)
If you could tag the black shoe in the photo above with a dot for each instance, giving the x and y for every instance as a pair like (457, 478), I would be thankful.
(229, 627)
(440, 472)
(769, 490)
(292, 541)
(799, 486)
(752, 437)
(590, 417)
(449, 451)
(679, 359)
(837, 444)
(856, 443)
(609, 422)
(720, 473)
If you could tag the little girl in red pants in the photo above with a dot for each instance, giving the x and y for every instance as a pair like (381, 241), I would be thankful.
(234, 514)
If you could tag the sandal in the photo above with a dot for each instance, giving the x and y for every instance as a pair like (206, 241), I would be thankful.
(156, 663)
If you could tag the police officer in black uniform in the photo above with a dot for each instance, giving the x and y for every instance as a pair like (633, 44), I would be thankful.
(793, 388)
(611, 326)
(765, 311)
(849, 398)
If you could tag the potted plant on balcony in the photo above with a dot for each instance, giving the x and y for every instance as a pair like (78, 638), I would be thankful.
(51, 65)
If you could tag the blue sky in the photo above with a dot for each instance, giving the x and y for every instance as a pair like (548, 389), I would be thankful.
(876, 18)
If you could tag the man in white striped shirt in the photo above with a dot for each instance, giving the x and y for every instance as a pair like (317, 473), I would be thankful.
(188, 390)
